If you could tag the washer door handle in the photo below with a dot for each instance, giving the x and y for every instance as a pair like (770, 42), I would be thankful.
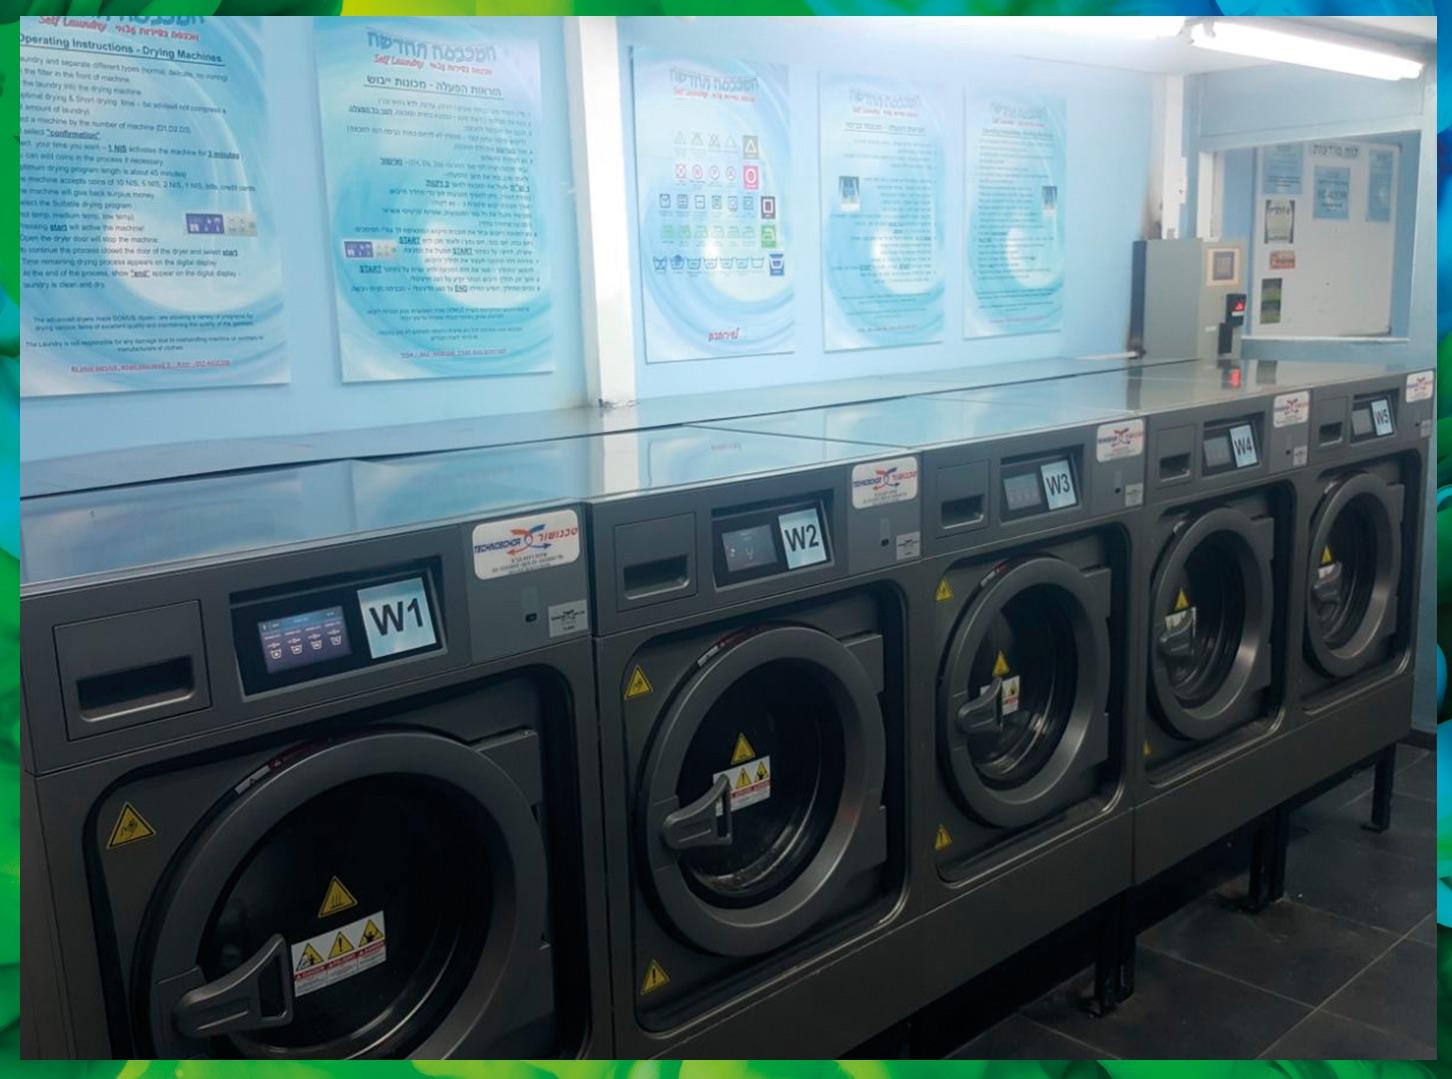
(1177, 642)
(1327, 588)
(978, 718)
(706, 822)
(233, 1002)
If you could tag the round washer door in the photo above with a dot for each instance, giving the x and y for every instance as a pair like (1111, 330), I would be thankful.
(1351, 588)
(1023, 690)
(1210, 622)
(761, 794)
(379, 896)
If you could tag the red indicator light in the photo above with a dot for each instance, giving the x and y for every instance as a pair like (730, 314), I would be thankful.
(1235, 379)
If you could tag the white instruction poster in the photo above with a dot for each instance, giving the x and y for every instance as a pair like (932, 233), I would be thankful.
(712, 162)
(882, 212)
(149, 257)
(1015, 178)
(430, 138)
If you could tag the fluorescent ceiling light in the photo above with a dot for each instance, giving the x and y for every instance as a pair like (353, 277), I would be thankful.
(1283, 46)
(1127, 27)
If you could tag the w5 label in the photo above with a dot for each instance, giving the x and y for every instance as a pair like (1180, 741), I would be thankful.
(524, 544)
(880, 483)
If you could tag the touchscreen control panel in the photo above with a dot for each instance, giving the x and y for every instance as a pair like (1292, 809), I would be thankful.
(770, 540)
(1041, 484)
(316, 630)
(1372, 417)
(1229, 447)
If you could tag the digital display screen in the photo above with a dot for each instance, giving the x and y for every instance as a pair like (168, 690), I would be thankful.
(748, 548)
(1059, 484)
(1217, 452)
(1242, 444)
(1021, 492)
(396, 617)
(1381, 417)
(299, 640)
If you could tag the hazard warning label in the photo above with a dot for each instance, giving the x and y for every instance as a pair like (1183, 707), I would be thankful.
(130, 827)
(750, 783)
(340, 953)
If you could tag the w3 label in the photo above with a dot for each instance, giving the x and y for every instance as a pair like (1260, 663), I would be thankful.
(880, 483)
(525, 544)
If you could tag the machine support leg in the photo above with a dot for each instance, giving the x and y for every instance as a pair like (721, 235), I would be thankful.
(1114, 956)
(1381, 791)
(1268, 861)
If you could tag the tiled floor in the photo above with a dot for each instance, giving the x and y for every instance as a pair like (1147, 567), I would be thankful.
(1343, 966)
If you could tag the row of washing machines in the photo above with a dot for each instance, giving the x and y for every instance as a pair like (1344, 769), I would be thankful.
(744, 738)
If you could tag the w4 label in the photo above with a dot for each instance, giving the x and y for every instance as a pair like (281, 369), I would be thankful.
(881, 483)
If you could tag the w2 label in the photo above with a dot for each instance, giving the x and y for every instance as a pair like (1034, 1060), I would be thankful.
(802, 538)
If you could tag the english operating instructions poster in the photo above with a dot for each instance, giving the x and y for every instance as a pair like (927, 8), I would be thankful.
(882, 212)
(430, 137)
(149, 256)
(713, 162)
(1015, 177)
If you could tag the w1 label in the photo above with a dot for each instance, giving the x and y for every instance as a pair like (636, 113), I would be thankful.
(880, 483)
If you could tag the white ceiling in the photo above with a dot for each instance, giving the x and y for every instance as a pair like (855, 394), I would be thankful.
(1166, 56)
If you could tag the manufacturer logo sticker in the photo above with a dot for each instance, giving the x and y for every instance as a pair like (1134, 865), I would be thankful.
(881, 483)
(1114, 441)
(1290, 409)
(1419, 385)
(525, 544)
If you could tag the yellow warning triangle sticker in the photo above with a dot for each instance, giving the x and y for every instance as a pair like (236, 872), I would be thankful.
(341, 946)
(743, 750)
(743, 780)
(371, 933)
(944, 592)
(1182, 601)
(942, 841)
(639, 684)
(655, 978)
(310, 958)
(1000, 665)
(761, 772)
(336, 898)
(1147, 750)
(130, 827)
(1326, 558)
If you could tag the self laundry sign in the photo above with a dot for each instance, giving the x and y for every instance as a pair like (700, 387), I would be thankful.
(338, 954)
(880, 483)
(524, 544)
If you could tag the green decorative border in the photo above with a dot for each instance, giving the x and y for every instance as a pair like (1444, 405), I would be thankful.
(10, 608)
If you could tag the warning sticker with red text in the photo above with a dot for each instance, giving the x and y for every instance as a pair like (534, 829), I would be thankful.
(330, 957)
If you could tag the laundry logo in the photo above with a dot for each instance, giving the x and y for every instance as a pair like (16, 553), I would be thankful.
(881, 483)
(1118, 440)
(525, 544)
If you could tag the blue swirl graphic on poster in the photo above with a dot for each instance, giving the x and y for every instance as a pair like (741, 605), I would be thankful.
(150, 258)
(1015, 188)
(430, 142)
(882, 212)
(713, 164)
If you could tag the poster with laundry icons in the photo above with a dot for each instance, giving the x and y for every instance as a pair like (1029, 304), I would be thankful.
(713, 155)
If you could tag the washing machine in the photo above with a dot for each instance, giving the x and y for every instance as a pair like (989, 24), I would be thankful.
(1361, 523)
(304, 781)
(751, 658)
(1213, 578)
(1019, 612)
